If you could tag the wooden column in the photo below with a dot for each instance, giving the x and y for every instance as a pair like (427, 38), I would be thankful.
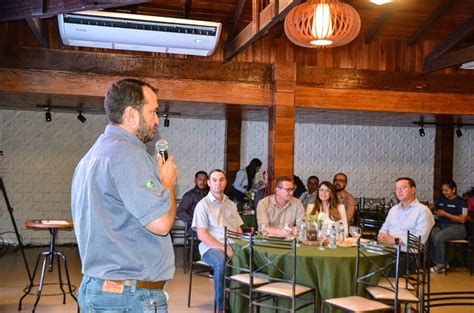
(232, 149)
(444, 157)
(281, 130)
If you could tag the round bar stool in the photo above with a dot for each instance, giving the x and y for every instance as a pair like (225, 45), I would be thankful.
(53, 226)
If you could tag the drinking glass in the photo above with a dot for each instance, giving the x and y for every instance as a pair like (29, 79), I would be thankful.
(355, 232)
(322, 234)
(262, 228)
(311, 231)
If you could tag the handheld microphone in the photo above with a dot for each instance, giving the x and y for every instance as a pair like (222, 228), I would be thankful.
(161, 148)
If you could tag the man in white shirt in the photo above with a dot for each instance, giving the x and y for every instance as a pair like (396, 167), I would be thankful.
(408, 215)
(211, 215)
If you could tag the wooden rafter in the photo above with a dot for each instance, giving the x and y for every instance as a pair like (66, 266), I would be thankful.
(187, 8)
(443, 7)
(236, 19)
(11, 10)
(269, 16)
(387, 15)
(38, 27)
(439, 59)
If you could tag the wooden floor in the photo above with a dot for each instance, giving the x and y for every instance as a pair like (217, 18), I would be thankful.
(13, 278)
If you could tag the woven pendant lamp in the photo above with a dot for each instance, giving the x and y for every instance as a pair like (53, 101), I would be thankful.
(322, 23)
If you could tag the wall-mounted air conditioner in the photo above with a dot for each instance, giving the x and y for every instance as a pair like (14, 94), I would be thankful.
(138, 32)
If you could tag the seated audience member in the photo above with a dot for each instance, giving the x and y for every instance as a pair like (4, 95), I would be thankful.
(280, 209)
(309, 196)
(189, 200)
(346, 198)
(408, 215)
(260, 194)
(212, 214)
(299, 187)
(328, 203)
(452, 214)
(244, 179)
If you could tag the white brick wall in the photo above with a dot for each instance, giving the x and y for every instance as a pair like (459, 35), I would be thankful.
(39, 158)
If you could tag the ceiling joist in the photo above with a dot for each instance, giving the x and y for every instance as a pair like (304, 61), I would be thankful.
(12, 10)
(386, 16)
(261, 23)
(38, 27)
(439, 59)
(236, 19)
(443, 7)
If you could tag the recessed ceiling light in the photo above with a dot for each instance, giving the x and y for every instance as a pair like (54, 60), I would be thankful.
(380, 2)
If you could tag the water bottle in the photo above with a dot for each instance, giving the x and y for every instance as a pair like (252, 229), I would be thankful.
(340, 232)
(332, 237)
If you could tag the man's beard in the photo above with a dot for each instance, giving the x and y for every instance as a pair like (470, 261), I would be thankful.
(143, 132)
(338, 188)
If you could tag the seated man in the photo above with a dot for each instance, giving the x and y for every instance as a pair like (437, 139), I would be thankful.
(408, 215)
(345, 197)
(212, 214)
(189, 200)
(310, 196)
(280, 209)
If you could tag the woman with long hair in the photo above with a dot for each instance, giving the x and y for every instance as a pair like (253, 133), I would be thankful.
(452, 214)
(244, 179)
(326, 202)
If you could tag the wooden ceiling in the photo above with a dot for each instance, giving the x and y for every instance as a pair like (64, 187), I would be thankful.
(393, 38)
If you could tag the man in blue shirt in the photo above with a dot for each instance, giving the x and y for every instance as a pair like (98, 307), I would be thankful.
(191, 198)
(123, 208)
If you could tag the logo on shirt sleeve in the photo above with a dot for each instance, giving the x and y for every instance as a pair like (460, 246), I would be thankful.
(150, 184)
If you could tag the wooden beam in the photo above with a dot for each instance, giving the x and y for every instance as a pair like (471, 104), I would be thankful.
(444, 157)
(281, 129)
(453, 58)
(386, 16)
(236, 19)
(95, 85)
(333, 78)
(38, 28)
(459, 34)
(442, 8)
(187, 8)
(133, 65)
(248, 37)
(11, 10)
(384, 101)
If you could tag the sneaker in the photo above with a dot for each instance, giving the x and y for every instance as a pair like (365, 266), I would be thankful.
(439, 268)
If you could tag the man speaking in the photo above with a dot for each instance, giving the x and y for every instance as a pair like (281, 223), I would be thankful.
(123, 207)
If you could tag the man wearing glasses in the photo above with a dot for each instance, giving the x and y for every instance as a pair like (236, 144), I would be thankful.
(344, 197)
(281, 211)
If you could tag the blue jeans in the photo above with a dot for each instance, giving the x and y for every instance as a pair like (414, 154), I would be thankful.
(216, 259)
(91, 298)
(440, 235)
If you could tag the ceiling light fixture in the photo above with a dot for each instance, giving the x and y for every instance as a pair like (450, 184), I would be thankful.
(81, 117)
(167, 121)
(380, 2)
(47, 114)
(421, 131)
(459, 131)
(322, 23)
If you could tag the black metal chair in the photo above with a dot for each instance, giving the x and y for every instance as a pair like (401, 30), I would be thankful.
(196, 267)
(238, 279)
(375, 282)
(467, 246)
(282, 283)
(180, 236)
(370, 224)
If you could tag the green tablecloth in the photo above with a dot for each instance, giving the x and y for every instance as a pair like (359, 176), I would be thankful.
(331, 272)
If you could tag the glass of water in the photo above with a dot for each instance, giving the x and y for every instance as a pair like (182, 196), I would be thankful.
(355, 232)
(262, 228)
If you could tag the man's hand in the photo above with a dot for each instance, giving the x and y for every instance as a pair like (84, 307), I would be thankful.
(167, 170)
(386, 238)
(229, 252)
(441, 213)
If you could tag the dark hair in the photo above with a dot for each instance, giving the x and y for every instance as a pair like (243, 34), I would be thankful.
(333, 203)
(200, 173)
(313, 177)
(215, 171)
(410, 181)
(451, 184)
(251, 170)
(122, 94)
(345, 176)
(281, 179)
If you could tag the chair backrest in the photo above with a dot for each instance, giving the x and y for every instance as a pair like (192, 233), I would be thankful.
(373, 203)
(383, 269)
(269, 256)
(370, 224)
(240, 244)
(417, 265)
